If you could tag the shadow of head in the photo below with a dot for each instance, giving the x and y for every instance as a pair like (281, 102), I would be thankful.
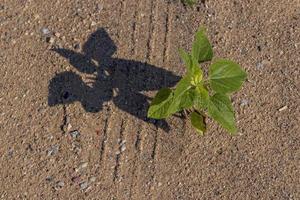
(97, 50)
(129, 77)
(99, 45)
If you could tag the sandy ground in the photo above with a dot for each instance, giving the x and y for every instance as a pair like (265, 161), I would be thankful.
(76, 77)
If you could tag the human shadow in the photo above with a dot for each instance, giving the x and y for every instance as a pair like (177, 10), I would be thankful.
(119, 80)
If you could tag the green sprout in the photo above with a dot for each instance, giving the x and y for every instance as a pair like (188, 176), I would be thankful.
(200, 97)
(189, 2)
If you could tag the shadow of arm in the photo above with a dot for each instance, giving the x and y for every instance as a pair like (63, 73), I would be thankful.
(81, 62)
(145, 77)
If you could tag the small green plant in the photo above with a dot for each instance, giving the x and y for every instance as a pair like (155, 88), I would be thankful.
(189, 2)
(199, 97)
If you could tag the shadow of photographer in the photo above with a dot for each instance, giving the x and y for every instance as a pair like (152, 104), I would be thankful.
(128, 77)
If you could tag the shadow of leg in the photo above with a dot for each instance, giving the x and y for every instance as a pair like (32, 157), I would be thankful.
(100, 92)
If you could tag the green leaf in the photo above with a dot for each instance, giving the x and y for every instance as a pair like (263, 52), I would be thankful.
(187, 59)
(201, 97)
(160, 104)
(226, 76)
(198, 122)
(221, 110)
(202, 50)
(194, 72)
(187, 99)
(180, 95)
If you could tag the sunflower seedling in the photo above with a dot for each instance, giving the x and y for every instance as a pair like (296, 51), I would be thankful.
(198, 96)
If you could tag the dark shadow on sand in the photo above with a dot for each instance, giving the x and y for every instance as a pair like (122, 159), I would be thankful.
(127, 77)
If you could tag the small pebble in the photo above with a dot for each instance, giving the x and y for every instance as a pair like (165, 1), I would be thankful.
(93, 23)
(53, 150)
(122, 142)
(50, 40)
(83, 185)
(75, 134)
(81, 166)
(259, 65)
(84, 165)
(46, 31)
(244, 102)
(57, 34)
(10, 153)
(59, 185)
(106, 73)
(123, 148)
(115, 92)
(49, 178)
(69, 127)
(282, 109)
(93, 179)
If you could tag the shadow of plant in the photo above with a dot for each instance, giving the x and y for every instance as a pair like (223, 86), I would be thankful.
(128, 77)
